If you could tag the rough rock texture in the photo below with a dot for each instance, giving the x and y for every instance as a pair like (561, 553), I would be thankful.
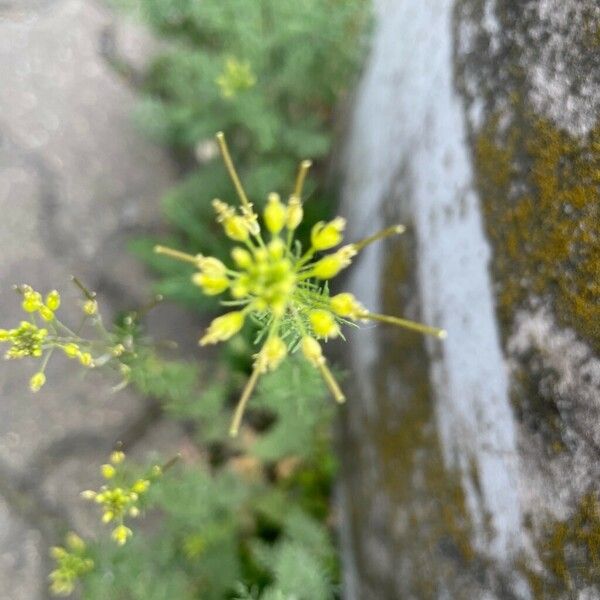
(76, 181)
(472, 467)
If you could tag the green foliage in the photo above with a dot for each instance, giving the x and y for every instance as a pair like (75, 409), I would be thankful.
(252, 511)
(267, 73)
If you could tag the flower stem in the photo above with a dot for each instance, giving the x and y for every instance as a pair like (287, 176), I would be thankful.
(412, 325)
(332, 384)
(176, 254)
(305, 165)
(231, 169)
(240, 408)
(394, 229)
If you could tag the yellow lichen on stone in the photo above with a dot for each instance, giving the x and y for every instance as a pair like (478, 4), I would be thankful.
(541, 196)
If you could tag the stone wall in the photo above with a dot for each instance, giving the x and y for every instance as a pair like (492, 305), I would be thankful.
(76, 182)
(471, 466)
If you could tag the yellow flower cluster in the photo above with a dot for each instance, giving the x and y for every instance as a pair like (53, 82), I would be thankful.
(236, 77)
(72, 562)
(273, 279)
(30, 339)
(118, 498)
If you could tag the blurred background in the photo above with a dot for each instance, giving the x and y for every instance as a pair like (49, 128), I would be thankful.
(459, 469)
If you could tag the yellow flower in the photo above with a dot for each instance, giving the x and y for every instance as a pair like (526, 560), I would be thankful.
(275, 214)
(121, 534)
(327, 235)
(346, 305)
(312, 350)
(53, 300)
(329, 266)
(272, 353)
(323, 323)
(32, 300)
(279, 285)
(211, 285)
(90, 307)
(236, 77)
(71, 350)
(223, 327)
(37, 382)
(117, 457)
(85, 358)
(108, 471)
(295, 213)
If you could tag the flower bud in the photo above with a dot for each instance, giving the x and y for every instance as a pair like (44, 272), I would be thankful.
(346, 305)
(32, 301)
(37, 381)
(71, 350)
(323, 323)
(209, 265)
(121, 534)
(295, 213)
(327, 235)
(242, 258)
(329, 266)
(108, 471)
(46, 313)
(236, 228)
(117, 457)
(53, 300)
(272, 353)
(275, 214)
(312, 350)
(211, 285)
(223, 327)
(90, 307)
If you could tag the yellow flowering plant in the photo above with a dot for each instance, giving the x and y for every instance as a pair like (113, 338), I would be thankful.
(72, 562)
(281, 286)
(120, 497)
(44, 333)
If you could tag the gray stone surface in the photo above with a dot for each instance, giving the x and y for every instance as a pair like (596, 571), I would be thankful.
(76, 181)
(471, 466)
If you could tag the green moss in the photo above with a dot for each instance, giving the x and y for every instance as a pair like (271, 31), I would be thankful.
(569, 552)
(541, 197)
(436, 538)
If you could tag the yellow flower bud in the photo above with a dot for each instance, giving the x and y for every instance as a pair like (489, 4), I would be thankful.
(117, 350)
(75, 542)
(295, 213)
(346, 305)
(223, 327)
(90, 307)
(276, 248)
(108, 516)
(329, 266)
(242, 258)
(85, 358)
(140, 486)
(37, 381)
(275, 214)
(121, 534)
(134, 512)
(211, 285)
(210, 265)
(235, 228)
(53, 300)
(5, 335)
(272, 353)
(71, 350)
(323, 323)
(32, 301)
(312, 350)
(108, 471)
(327, 235)
(56, 552)
(117, 457)
(46, 313)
